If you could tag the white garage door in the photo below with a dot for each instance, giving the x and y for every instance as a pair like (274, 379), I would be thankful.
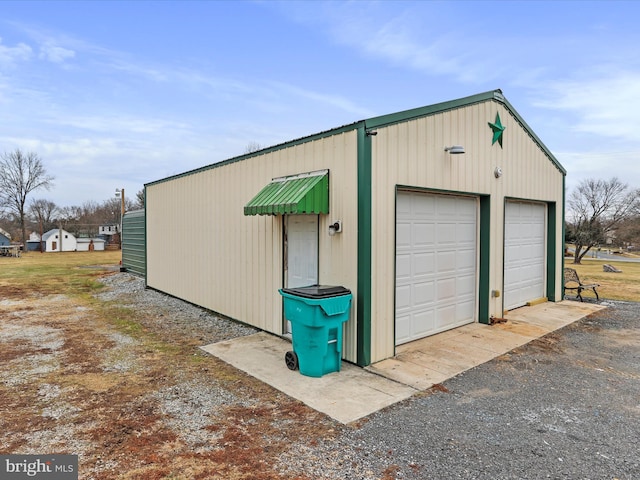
(436, 238)
(524, 253)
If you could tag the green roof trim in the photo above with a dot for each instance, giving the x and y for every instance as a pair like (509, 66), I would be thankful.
(492, 95)
(383, 121)
(304, 193)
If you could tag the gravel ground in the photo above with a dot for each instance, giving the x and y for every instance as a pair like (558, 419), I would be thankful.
(174, 314)
(566, 406)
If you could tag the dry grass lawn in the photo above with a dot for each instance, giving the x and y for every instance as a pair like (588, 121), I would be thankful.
(613, 286)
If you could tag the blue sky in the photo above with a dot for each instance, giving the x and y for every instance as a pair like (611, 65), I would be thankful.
(117, 94)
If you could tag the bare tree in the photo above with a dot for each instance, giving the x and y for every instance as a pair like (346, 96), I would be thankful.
(42, 212)
(140, 199)
(21, 174)
(253, 147)
(596, 208)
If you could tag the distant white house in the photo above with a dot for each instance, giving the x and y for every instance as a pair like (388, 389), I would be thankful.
(59, 240)
(108, 229)
(90, 244)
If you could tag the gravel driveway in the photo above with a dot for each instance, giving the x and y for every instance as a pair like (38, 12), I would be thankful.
(565, 406)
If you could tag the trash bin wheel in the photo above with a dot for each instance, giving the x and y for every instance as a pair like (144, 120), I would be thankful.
(291, 359)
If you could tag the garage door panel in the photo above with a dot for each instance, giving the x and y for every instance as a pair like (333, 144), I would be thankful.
(403, 236)
(403, 326)
(403, 267)
(466, 230)
(446, 315)
(423, 321)
(466, 285)
(466, 259)
(423, 294)
(423, 264)
(446, 262)
(464, 309)
(524, 253)
(446, 290)
(446, 233)
(438, 261)
(422, 235)
(403, 298)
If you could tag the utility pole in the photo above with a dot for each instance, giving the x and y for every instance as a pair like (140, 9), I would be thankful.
(120, 192)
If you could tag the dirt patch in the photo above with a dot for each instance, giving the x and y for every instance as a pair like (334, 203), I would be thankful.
(134, 399)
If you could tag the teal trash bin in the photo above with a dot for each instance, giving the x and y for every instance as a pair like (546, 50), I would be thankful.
(316, 314)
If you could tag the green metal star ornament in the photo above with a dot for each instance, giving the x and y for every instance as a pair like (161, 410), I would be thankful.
(498, 129)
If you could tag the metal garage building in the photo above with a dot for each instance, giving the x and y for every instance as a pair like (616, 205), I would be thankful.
(426, 237)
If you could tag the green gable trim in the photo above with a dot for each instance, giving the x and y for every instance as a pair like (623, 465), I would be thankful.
(493, 95)
(305, 193)
(385, 120)
(363, 300)
(381, 121)
(500, 98)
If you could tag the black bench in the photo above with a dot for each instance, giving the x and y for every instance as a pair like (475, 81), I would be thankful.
(572, 282)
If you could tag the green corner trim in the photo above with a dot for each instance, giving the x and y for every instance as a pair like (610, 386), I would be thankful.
(564, 232)
(363, 300)
(552, 274)
(485, 260)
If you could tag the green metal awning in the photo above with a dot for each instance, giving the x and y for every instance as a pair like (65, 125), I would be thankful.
(304, 193)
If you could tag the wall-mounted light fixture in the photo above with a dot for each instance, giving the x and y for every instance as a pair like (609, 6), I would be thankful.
(335, 227)
(372, 133)
(454, 149)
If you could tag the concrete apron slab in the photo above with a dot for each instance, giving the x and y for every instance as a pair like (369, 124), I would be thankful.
(346, 396)
(354, 392)
(432, 360)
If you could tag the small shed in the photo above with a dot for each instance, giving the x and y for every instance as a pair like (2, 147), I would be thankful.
(59, 240)
(434, 218)
(90, 244)
(133, 242)
(5, 238)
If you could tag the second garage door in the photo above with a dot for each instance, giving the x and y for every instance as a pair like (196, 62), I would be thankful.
(524, 253)
(436, 251)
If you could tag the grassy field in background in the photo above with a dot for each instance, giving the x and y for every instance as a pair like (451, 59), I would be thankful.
(613, 286)
(71, 272)
(63, 272)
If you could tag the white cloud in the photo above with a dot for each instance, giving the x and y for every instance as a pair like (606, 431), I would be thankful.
(9, 55)
(602, 105)
(327, 99)
(54, 53)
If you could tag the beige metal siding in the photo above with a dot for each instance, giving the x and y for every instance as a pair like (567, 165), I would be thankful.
(203, 249)
(412, 154)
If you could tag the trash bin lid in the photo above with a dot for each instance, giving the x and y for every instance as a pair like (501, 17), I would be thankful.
(318, 291)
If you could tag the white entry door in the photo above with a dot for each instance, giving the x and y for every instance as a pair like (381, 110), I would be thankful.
(301, 268)
(436, 245)
(524, 252)
(302, 250)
